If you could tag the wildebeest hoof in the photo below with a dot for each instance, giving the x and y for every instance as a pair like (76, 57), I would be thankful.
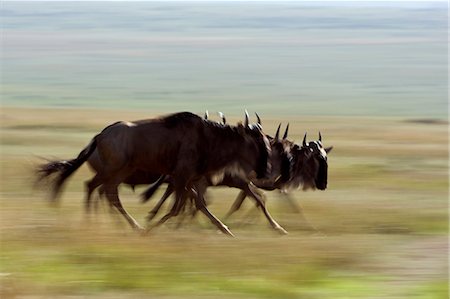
(139, 229)
(281, 230)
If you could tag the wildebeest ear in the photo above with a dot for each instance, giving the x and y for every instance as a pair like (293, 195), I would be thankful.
(246, 118)
(328, 149)
(206, 115)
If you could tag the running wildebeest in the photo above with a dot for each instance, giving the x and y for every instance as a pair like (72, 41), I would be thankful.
(280, 158)
(139, 177)
(181, 145)
(307, 170)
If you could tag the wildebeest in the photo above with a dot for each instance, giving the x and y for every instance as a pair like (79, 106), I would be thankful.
(280, 161)
(281, 171)
(181, 145)
(138, 177)
(307, 169)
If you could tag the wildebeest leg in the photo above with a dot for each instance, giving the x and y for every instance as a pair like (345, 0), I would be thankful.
(192, 208)
(90, 188)
(299, 210)
(113, 198)
(236, 204)
(174, 211)
(262, 205)
(201, 205)
(156, 208)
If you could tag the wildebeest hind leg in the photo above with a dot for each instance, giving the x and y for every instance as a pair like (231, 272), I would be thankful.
(174, 211)
(90, 188)
(113, 198)
(156, 208)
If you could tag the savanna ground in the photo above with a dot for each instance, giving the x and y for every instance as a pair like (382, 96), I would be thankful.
(383, 221)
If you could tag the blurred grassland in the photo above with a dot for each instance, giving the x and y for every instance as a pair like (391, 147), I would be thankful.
(383, 220)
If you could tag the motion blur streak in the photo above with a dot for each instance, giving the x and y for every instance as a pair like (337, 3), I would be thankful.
(371, 77)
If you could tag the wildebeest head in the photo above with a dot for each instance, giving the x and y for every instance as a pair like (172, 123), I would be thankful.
(311, 165)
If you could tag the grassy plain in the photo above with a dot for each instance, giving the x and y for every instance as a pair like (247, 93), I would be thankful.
(383, 221)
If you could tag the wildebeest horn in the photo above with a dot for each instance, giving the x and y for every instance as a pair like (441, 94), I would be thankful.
(222, 116)
(246, 118)
(286, 132)
(277, 134)
(259, 119)
(320, 137)
(206, 114)
(304, 140)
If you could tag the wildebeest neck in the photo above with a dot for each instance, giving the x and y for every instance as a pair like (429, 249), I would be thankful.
(246, 148)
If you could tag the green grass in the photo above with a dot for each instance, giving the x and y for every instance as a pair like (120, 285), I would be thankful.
(383, 222)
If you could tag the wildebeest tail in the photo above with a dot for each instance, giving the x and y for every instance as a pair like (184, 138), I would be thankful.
(152, 189)
(63, 169)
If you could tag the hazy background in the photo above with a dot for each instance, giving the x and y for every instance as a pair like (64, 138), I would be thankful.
(371, 76)
(322, 58)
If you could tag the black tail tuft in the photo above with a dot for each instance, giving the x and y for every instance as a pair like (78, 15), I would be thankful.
(58, 171)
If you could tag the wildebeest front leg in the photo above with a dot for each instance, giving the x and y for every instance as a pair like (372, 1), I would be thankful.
(262, 205)
(201, 205)
(236, 204)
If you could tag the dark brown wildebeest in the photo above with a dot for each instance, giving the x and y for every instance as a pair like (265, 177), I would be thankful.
(281, 167)
(181, 145)
(307, 169)
(139, 177)
(280, 162)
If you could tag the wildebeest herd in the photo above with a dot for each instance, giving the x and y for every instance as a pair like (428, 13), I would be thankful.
(190, 154)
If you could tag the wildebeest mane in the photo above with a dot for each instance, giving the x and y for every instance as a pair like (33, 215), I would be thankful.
(176, 119)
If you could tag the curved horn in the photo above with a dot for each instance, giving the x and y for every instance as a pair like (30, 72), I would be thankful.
(222, 116)
(246, 118)
(206, 114)
(320, 137)
(304, 140)
(258, 118)
(286, 132)
(277, 134)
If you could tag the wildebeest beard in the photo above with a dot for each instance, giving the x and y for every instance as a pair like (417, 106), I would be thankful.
(321, 178)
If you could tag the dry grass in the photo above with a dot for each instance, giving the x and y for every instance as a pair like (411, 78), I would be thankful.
(383, 221)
